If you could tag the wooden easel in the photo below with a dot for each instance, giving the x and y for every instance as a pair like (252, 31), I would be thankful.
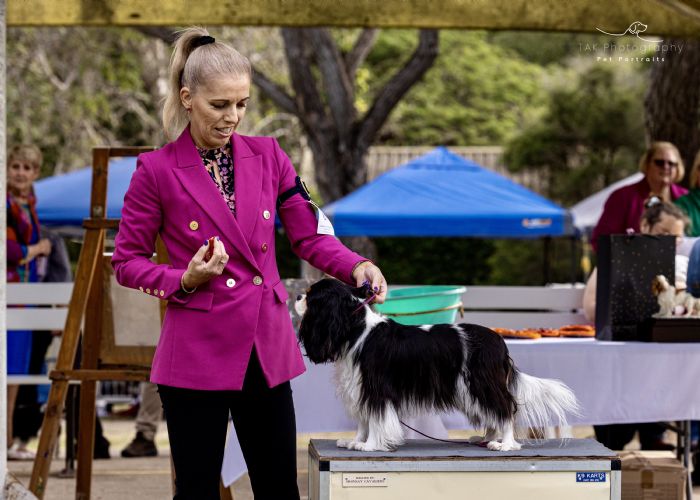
(101, 358)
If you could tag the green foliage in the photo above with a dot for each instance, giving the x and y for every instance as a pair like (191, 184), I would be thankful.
(544, 48)
(70, 89)
(476, 93)
(434, 261)
(522, 262)
(591, 134)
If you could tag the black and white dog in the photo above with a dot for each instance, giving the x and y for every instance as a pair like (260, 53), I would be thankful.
(386, 371)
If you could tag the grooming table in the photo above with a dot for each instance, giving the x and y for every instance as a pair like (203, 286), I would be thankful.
(573, 469)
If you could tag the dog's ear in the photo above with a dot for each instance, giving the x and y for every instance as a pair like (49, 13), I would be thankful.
(361, 292)
(325, 329)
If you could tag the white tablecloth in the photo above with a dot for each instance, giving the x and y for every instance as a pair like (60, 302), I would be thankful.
(615, 382)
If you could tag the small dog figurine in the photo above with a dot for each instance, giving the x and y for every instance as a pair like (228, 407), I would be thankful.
(673, 302)
(386, 370)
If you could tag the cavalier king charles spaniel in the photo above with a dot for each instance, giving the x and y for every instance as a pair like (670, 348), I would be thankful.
(386, 371)
(673, 302)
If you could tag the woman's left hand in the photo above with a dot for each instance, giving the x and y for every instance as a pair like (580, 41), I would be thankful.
(366, 271)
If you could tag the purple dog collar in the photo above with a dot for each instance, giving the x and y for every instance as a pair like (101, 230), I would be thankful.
(369, 299)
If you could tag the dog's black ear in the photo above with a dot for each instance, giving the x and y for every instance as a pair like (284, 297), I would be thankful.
(325, 329)
(361, 292)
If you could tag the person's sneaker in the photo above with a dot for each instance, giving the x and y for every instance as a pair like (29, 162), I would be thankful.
(140, 447)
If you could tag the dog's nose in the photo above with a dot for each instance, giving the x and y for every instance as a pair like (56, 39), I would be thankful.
(299, 297)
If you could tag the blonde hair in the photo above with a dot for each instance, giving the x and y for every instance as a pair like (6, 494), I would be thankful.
(26, 153)
(695, 172)
(653, 148)
(190, 66)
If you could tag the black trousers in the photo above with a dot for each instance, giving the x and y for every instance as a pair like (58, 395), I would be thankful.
(265, 426)
(616, 436)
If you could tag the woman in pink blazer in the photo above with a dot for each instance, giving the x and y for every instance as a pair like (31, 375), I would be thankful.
(227, 343)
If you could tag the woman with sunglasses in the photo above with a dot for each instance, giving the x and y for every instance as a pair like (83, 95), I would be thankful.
(691, 202)
(662, 167)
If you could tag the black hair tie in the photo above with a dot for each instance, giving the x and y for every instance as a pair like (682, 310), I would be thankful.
(202, 40)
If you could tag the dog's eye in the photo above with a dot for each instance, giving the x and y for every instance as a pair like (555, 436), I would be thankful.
(299, 297)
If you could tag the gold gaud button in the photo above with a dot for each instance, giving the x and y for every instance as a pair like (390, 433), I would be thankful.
(162, 293)
(141, 288)
(257, 281)
(194, 225)
(230, 282)
(263, 247)
(148, 290)
(266, 214)
(155, 291)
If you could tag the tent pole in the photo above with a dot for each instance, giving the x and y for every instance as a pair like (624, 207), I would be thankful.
(574, 260)
(546, 264)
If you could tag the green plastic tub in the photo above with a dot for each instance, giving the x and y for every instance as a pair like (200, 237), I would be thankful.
(423, 305)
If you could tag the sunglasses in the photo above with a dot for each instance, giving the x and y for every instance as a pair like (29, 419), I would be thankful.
(662, 163)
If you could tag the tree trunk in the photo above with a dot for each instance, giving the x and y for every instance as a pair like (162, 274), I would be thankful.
(338, 174)
(672, 103)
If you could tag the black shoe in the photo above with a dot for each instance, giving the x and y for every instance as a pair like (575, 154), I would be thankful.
(140, 447)
(101, 450)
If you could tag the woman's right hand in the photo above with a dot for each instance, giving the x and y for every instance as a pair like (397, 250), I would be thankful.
(199, 271)
(42, 247)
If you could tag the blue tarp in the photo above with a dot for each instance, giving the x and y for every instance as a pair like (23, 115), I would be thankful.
(443, 194)
(64, 200)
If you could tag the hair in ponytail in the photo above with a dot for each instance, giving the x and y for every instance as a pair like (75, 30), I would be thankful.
(191, 64)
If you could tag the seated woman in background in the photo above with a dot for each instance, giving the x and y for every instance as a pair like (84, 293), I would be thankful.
(662, 166)
(691, 201)
(660, 218)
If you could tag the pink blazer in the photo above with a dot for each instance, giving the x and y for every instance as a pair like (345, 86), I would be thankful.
(207, 336)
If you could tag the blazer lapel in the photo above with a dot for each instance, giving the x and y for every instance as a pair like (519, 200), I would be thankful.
(247, 172)
(195, 180)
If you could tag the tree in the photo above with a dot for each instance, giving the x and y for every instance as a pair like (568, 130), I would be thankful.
(66, 97)
(476, 93)
(672, 103)
(590, 136)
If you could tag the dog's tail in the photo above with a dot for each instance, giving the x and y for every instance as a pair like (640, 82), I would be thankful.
(542, 402)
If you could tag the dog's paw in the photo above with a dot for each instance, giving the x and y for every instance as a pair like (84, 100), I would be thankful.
(355, 445)
(343, 443)
(494, 445)
(514, 446)
(359, 446)
(497, 446)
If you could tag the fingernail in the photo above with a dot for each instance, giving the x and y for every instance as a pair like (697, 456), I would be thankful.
(376, 288)
(206, 242)
(217, 238)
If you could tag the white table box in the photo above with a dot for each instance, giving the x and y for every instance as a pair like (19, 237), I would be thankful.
(573, 469)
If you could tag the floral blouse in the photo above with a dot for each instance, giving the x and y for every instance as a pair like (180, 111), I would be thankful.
(224, 158)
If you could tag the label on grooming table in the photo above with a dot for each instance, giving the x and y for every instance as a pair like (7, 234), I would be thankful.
(590, 477)
(365, 481)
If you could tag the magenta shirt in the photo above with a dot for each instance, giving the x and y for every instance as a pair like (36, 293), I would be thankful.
(624, 208)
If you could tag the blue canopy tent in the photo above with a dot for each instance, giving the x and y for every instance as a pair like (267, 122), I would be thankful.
(64, 200)
(443, 194)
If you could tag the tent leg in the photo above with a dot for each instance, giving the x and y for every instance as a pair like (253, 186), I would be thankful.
(547, 263)
(574, 260)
